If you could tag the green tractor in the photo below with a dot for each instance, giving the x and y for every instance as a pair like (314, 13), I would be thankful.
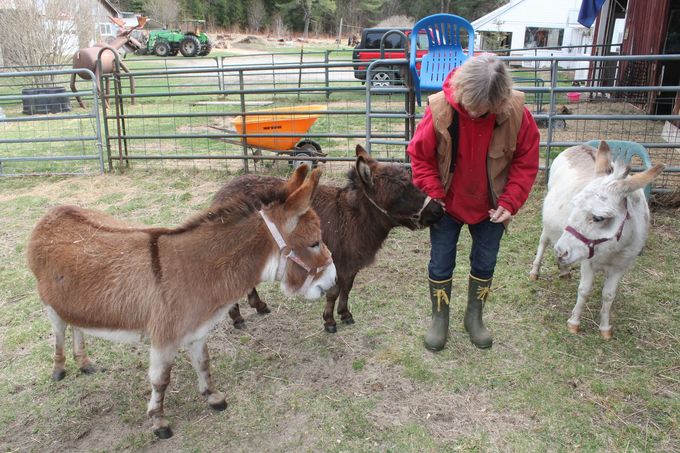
(190, 41)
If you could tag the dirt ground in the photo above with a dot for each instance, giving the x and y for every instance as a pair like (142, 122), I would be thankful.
(371, 387)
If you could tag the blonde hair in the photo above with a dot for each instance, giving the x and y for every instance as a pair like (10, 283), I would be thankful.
(483, 80)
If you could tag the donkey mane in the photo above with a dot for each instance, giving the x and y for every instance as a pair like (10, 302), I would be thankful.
(230, 211)
(390, 173)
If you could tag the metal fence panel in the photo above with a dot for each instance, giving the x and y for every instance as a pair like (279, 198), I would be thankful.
(188, 113)
(41, 132)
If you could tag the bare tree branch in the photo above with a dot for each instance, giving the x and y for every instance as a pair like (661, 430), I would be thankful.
(43, 33)
(163, 11)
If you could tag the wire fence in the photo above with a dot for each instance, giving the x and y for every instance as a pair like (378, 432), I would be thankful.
(260, 112)
(40, 132)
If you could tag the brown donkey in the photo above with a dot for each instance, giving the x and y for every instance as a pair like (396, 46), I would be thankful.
(355, 220)
(171, 286)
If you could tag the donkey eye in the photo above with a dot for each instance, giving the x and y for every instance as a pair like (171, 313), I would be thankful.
(315, 245)
(597, 218)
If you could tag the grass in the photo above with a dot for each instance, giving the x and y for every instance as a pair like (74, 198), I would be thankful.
(372, 386)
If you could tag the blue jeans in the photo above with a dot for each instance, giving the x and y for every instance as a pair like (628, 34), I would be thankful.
(486, 239)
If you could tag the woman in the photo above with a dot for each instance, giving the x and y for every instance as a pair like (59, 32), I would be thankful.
(476, 152)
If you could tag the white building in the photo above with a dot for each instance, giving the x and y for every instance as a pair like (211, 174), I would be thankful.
(534, 27)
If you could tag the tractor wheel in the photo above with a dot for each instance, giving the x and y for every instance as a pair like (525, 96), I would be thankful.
(161, 48)
(207, 48)
(190, 46)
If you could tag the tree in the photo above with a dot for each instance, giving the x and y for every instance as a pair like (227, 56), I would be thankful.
(194, 9)
(164, 11)
(43, 33)
(309, 8)
(256, 15)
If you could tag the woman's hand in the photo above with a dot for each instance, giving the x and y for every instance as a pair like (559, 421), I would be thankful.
(499, 215)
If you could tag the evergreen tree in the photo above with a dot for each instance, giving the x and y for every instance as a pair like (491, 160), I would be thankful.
(306, 10)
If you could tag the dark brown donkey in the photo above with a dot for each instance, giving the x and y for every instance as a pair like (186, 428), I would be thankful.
(355, 220)
(170, 286)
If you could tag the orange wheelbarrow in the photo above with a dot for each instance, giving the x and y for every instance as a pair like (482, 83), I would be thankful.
(282, 120)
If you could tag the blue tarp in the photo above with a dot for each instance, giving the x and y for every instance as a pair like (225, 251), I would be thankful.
(589, 11)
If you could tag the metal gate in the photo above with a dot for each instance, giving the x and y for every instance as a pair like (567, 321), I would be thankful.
(41, 132)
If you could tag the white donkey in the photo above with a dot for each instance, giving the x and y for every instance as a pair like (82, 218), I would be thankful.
(597, 215)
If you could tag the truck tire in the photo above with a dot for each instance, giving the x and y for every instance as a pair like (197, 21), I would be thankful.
(190, 46)
(161, 48)
(382, 77)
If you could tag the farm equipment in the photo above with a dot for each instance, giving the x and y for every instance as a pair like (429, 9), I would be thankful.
(276, 122)
(190, 41)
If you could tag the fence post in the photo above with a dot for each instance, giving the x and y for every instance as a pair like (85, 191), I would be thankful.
(98, 126)
(302, 52)
(551, 110)
(326, 70)
(243, 121)
(220, 73)
(105, 118)
(273, 72)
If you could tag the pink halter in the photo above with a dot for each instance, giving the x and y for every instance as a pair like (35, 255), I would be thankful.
(283, 257)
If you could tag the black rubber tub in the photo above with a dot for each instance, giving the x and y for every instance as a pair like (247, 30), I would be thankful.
(57, 103)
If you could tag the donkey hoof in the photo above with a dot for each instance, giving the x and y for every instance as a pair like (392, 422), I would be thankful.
(349, 320)
(163, 432)
(606, 334)
(88, 369)
(263, 310)
(239, 324)
(573, 328)
(219, 406)
(58, 375)
(331, 328)
(566, 276)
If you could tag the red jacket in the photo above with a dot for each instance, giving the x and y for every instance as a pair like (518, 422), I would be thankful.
(468, 197)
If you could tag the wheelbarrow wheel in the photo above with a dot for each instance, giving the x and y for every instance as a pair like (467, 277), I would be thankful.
(302, 156)
(303, 151)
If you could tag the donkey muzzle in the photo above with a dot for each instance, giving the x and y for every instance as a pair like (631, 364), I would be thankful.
(429, 214)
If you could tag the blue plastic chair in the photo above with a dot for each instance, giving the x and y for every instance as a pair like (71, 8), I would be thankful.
(445, 51)
(622, 149)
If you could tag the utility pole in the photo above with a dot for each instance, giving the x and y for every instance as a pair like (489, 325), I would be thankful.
(339, 40)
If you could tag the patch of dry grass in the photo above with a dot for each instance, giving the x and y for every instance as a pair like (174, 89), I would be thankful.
(372, 386)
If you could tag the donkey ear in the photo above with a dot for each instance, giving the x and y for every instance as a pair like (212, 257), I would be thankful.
(640, 180)
(300, 200)
(364, 171)
(296, 179)
(361, 152)
(603, 159)
(365, 165)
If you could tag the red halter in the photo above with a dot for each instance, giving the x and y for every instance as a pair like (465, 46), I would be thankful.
(591, 243)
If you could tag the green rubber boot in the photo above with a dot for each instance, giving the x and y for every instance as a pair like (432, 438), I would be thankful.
(478, 291)
(440, 293)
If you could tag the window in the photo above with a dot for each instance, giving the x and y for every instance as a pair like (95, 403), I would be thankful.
(543, 37)
(422, 43)
(495, 40)
(105, 29)
(392, 41)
